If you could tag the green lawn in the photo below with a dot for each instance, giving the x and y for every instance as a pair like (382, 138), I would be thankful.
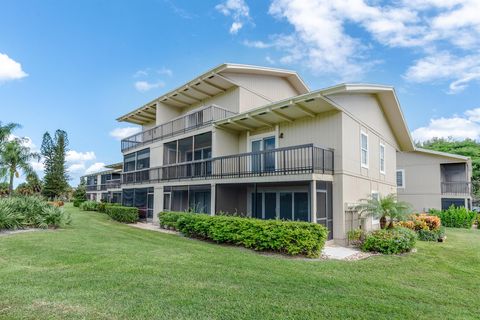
(100, 269)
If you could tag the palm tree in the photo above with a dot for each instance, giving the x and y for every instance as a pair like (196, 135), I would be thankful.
(6, 131)
(384, 207)
(15, 156)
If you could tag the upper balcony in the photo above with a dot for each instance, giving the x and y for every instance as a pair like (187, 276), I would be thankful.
(302, 159)
(110, 184)
(188, 122)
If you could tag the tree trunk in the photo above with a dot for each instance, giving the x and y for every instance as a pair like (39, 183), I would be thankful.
(10, 186)
(383, 222)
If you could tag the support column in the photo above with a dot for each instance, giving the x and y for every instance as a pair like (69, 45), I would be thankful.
(313, 201)
(157, 203)
(213, 199)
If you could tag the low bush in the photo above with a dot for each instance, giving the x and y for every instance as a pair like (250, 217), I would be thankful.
(421, 221)
(455, 217)
(356, 237)
(102, 206)
(390, 241)
(432, 235)
(478, 220)
(30, 211)
(89, 206)
(122, 214)
(289, 237)
(77, 202)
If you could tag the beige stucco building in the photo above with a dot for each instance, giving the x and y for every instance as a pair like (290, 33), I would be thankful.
(434, 180)
(257, 141)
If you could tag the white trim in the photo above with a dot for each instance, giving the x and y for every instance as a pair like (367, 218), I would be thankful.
(384, 158)
(364, 165)
(403, 178)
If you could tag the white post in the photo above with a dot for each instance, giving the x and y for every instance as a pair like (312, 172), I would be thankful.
(213, 198)
(313, 201)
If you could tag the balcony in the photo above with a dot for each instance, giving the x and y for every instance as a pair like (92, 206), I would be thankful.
(282, 161)
(186, 123)
(456, 188)
(110, 184)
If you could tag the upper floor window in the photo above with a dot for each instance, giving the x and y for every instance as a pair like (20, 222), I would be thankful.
(188, 149)
(364, 149)
(91, 180)
(401, 178)
(136, 160)
(382, 158)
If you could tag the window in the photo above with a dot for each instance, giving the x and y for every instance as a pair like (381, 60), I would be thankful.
(129, 162)
(286, 205)
(364, 149)
(382, 158)
(143, 159)
(401, 178)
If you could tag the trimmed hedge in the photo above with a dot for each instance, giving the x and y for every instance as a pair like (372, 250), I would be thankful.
(102, 206)
(289, 237)
(122, 214)
(77, 202)
(89, 206)
(455, 217)
(390, 241)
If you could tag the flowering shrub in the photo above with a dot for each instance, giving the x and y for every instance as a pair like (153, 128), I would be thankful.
(421, 221)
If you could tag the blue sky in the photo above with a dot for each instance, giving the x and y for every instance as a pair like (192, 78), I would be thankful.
(77, 65)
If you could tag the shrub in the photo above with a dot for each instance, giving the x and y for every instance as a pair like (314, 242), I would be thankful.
(58, 203)
(77, 202)
(421, 221)
(390, 241)
(18, 212)
(289, 237)
(89, 206)
(356, 237)
(456, 217)
(431, 235)
(102, 206)
(122, 214)
(478, 220)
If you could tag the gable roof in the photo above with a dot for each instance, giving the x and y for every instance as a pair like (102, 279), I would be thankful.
(316, 102)
(442, 154)
(208, 85)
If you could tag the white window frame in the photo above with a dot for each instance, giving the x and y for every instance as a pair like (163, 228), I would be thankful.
(403, 178)
(364, 165)
(382, 146)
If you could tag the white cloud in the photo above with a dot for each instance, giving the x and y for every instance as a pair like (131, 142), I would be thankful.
(97, 166)
(10, 69)
(455, 127)
(122, 133)
(165, 71)
(38, 166)
(76, 157)
(143, 86)
(238, 10)
(325, 37)
(76, 167)
(444, 66)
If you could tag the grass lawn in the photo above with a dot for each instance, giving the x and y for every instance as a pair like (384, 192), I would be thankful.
(100, 269)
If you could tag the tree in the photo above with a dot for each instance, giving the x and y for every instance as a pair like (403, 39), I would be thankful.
(32, 185)
(384, 207)
(6, 131)
(16, 157)
(80, 193)
(55, 181)
(468, 147)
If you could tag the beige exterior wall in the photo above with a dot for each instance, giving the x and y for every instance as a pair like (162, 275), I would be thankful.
(423, 179)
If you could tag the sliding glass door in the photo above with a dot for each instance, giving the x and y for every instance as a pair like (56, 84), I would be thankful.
(263, 162)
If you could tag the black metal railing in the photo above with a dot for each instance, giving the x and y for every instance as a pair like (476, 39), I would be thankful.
(110, 184)
(188, 122)
(459, 188)
(281, 161)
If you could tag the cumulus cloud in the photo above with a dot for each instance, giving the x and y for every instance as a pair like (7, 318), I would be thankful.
(238, 10)
(75, 156)
(143, 86)
(97, 166)
(122, 133)
(325, 37)
(10, 69)
(76, 167)
(457, 127)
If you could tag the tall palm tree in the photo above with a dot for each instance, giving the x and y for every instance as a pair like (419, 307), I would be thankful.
(6, 131)
(384, 207)
(16, 157)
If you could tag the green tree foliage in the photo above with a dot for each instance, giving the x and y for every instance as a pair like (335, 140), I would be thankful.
(80, 193)
(55, 181)
(384, 207)
(468, 147)
(15, 156)
(5, 131)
